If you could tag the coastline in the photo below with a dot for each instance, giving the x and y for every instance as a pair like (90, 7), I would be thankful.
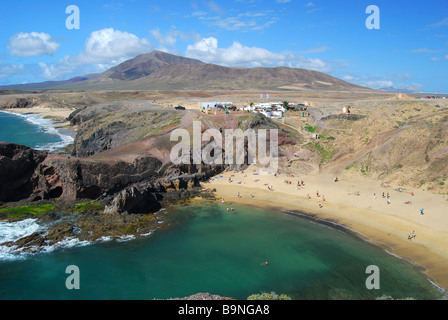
(53, 120)
(384, 225)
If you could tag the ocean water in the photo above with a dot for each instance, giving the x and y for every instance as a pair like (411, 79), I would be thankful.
(32, 130)
(209, 249)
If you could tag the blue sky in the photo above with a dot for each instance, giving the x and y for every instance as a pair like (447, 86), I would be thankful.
(409, 50)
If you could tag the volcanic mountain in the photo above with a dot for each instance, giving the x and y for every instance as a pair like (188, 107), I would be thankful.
(163, 71)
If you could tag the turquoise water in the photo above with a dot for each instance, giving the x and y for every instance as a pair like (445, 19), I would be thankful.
(209, 249)
(31, 130)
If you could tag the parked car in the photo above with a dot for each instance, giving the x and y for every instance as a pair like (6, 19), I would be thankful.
(180, 108)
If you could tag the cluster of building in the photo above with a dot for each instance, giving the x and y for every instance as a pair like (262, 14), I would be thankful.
(432, 97)
(270, 110)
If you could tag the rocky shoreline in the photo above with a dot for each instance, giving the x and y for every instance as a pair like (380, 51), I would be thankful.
(89, 200)
(86, 222)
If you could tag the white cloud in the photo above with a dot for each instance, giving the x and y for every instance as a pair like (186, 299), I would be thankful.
(434, 59)
(103, 49)
(248, 21)
(316, 50)
(424, 50)
(309, 4)
(207, 50)
(373, 82)
(377, 84)
(169, 39)
(167, 42)
(32, 44)
(283, 1)
(109, 44)
(439, 24)
(401, 76)
(7, 69)
(213, 6)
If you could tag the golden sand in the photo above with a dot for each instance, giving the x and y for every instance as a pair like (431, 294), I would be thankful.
(354, 205)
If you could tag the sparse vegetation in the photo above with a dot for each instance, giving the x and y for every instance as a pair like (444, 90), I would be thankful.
(326, 154)
(391, 298)
(268, 296)
(309, 128)
(32, 209)
(88, 206)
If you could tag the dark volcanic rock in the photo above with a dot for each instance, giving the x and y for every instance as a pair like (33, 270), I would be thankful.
(29, 243)
(83, 178)
(60, 232)
(138, 187)
(17, 166)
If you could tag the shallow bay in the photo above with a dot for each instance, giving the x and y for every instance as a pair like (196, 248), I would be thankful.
(210, 249)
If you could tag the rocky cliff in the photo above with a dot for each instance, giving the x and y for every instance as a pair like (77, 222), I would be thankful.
(17, 167)
(138, 187)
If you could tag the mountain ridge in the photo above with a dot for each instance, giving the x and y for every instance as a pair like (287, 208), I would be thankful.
(159, 70)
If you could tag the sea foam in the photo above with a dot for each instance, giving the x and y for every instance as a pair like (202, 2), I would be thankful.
(47, 126)
(12, 231)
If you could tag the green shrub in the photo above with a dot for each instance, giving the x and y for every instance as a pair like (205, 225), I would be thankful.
(35, 210)
(310, 128)
(268, 296)
(88, 206)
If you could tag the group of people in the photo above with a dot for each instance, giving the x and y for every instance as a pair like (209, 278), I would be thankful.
(411, 235)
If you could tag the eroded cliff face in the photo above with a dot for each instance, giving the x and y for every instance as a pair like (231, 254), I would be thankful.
(138, 187)
(17, 171)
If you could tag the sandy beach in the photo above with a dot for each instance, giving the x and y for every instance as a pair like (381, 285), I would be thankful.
(358, 205)
(55, 113)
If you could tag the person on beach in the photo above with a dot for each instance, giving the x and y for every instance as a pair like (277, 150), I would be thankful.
(374, 196)
(421, 211)
(222, 200)
(388, 201)
(320, 205)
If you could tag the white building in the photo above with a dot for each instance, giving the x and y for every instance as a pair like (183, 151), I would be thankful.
(205, 105)
(270, 110)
